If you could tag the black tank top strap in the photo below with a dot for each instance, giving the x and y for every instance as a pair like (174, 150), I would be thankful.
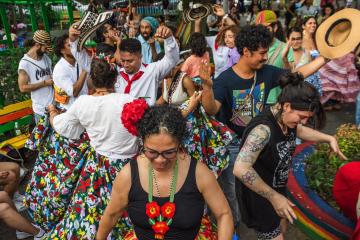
(190, 181)
(136, 187)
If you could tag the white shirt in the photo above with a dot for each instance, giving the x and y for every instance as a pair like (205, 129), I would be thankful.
(64, 77)
(220, 55)
(154, 73)
(101, 117)
(38, 71)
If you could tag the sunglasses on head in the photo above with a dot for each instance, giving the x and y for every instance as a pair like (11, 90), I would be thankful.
(167, 154)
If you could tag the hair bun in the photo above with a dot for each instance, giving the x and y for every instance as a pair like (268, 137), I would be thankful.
(291, 79)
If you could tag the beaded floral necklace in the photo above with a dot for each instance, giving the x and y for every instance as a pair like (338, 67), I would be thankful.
(160, 218)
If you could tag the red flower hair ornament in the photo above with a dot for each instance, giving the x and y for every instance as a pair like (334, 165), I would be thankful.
(132, 112)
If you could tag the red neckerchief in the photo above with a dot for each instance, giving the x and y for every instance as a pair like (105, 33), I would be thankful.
(126, 77)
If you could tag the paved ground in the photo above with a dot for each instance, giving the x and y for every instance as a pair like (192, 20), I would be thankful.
(334, 119)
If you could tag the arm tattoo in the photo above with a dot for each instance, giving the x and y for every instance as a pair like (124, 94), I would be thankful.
(249, 177)
(266, 194)
(255, 142)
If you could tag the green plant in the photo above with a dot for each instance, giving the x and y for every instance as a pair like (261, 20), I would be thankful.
(322, 165)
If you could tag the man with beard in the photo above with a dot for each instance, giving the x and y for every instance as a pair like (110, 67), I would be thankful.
(69, 78)
(150, 48)
(239, 93)
(35, 73)
(279, 54)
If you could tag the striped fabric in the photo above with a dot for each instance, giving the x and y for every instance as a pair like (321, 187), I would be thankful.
(340, 80)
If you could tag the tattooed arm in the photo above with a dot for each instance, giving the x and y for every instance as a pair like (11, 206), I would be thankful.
(255, 142)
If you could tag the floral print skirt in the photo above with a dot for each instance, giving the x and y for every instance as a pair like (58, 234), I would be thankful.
(70, 186)
(208, 140)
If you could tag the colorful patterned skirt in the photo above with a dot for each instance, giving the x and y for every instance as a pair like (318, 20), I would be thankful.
(208, 140)
(207, 231)
(70, 186)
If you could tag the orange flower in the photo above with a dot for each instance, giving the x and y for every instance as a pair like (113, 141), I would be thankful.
(152, 209)
(168, 210)
(160, 228)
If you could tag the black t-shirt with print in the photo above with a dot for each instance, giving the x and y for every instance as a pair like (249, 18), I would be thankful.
(233, 91)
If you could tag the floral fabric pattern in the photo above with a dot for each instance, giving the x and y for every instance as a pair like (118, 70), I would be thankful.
(208, 140)
(70, 186)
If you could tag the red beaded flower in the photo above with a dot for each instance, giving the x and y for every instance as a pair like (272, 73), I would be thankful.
(168, 210)
(152, 210)
(132, 112)
(160, 228)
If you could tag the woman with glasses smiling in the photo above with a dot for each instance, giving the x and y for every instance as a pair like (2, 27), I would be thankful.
(164, 190)
(302, 56)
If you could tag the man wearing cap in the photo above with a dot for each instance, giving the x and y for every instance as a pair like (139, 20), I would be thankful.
(35, 73)
(135, 78)
(276, 56)
(150, 48)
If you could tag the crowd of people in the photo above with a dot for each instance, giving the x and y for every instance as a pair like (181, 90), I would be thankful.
(143, 140)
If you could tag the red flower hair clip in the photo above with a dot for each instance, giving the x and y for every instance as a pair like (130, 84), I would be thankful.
(132, 112)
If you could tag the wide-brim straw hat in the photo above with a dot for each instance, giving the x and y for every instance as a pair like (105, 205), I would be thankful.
(42, 37)
(89, 23)
(339, 34)
(198, 10)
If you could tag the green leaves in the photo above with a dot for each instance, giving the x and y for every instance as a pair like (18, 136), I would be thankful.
(322, 165)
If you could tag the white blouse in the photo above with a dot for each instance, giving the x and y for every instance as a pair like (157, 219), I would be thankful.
(101, 117)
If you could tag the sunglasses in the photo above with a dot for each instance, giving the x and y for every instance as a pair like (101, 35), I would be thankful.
(167, 154)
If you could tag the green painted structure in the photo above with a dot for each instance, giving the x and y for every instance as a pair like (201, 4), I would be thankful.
(31, 5)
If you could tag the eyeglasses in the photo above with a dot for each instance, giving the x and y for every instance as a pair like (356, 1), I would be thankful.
(168, 154)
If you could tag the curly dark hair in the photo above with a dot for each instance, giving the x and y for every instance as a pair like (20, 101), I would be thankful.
(197, 44)
(130, 45)
(302, 96)
(60, 44)
(158, 119)
(102, 74)
(252, 38)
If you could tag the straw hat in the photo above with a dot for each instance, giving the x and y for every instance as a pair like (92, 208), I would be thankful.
(42, 37)
(89, 23)
(198, 10)
(339, 34)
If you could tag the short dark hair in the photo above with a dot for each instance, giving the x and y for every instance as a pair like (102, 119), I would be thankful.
(130, 45)
(100, 32)
(197, 44)
(157, 119)
(302, 96)
(294, 29)
(103, 75)
(252, 38)
(60, 44)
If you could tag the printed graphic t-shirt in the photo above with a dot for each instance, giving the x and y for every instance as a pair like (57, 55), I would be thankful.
(238, 106)
(38, 71)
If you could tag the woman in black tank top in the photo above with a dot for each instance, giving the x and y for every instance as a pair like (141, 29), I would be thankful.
(264, 160)
(164, 191)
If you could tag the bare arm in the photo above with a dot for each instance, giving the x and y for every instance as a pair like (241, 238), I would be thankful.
(208, 101)
(309, 134)
(216, 200)
(310, 68)
(154, 53)
(197, 26)
(118, 203)
(78, 85)
(25, 86)
(257, 139)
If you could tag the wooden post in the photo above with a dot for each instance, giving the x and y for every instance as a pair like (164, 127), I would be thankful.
(6, 26)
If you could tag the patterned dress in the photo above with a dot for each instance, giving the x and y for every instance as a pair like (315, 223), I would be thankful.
(70, 185)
